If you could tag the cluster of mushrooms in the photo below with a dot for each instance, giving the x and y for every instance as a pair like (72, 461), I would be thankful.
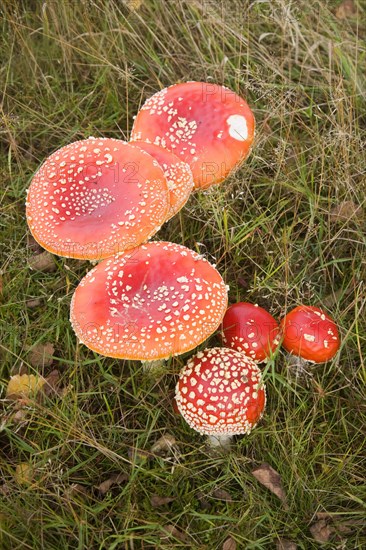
(102, 199)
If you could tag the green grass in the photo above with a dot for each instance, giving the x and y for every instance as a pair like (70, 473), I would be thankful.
(73, 69)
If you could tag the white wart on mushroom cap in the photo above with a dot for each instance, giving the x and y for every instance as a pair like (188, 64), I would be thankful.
(95, 198)
(158, 300)
(208, 126)
(220, 392)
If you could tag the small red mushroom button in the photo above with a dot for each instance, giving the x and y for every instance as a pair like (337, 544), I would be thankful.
(310, 333)
(220, 394)
(250, 329)
(208, 126)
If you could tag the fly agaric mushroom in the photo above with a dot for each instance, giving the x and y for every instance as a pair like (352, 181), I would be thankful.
(177, 173)
(96, 197)
(156, 301)
(208, 126)
(250, 329)
(220, 394)
(310, 333)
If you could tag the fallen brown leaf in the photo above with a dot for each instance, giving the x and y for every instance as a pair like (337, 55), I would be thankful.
(346, 211)
(40, 355)
(271, 479)
(19, 416)
(346, 9)
(33, 245)
(221, 494)
(173, 531)
(76, 490)
(285, 544)
(31, 304)
(18, 369)
(157, 500)
(137, 454)
(23, 386)
(134, 5)
(164, 444)
(42, 262)
(321, 531)
(116, 479)
(24, 473)
(229, 544)
(205, 505)
(52, 384)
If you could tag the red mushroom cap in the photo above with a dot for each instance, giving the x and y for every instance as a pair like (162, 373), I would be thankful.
(310, 333)
(208, 126)
(177, 173)
(158, 300)
(96, 197)
(250, 329)
(220, 392)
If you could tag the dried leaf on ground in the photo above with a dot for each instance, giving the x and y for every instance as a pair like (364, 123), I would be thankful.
(221, 494)
(173, 531)
(24, 385)
(5, 490)
(134, 5)
(18, 369)
(76, 490)
(33, 246)
(116, 479)
(285, 544)
(205, 505)
(19, 416)
(52, 384)
(33, 303)
(164, 444)
(347, 210)
(346, 9)
(24, 473)
(271, 479)
(40, 355)
(157, 500)
(229, 544)
(321, 531)
(42, 262)
(137, 454)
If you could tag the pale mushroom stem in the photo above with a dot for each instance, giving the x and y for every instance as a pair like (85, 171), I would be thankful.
(222, 441)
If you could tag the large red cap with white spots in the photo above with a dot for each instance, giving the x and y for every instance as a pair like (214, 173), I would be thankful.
(158, 300)
(220, 391)
(177, 173)
(96, 197)
(208, 126)
(310, 333)
(250, 329)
